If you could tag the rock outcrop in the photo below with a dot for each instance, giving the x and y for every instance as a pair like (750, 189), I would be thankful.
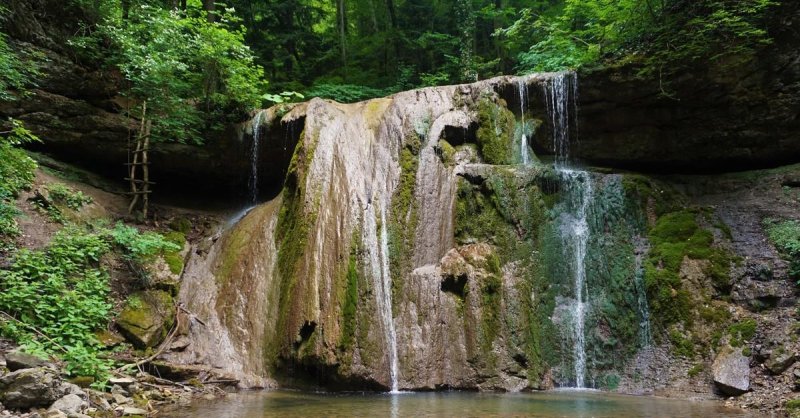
(731, 371)
(30, 388)
(723, 115)
(147, 317)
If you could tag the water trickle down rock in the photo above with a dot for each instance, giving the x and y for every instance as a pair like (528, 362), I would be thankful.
(279, 287)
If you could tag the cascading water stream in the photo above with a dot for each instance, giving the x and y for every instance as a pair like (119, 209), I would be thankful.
(575, 236)
(561, 97)
(252, 183)
(523, 98)
(379, 259)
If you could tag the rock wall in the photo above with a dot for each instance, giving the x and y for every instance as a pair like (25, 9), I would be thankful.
(728, 114)
(478, 291)
(395, 241)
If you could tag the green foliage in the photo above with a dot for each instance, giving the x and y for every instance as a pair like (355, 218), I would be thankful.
(17, 172)
(60, 197)
(682, 345)
(62, 293)
(138, 249)
(15, 74)
(344, 93)
(61, 194)
(666, 35)
(793, 407)
(785, 235)
(192, 74)
(695, 370)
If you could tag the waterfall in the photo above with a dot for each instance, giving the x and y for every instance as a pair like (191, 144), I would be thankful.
(379, 259)
(575, 236)
(645, 335)
(252, 183)
(523, 98)
(560, 93)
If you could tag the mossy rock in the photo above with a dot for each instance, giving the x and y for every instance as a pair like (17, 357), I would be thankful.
(146, 318)
(181, 225)
(495, 132)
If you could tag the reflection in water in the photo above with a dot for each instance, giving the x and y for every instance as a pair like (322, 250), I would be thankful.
(451, 404)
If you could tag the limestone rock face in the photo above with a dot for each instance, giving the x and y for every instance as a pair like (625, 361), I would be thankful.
(147, 318)
(731, 371)
(30, 388)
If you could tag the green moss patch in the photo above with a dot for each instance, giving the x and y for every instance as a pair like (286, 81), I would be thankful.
(675, 236)
(495, 134)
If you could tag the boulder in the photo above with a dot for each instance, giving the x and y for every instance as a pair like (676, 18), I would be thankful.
(780, 360)
(30, 388)
(17, 360)
(69, 404)
(147, 317)
(732, 371)
(796, 375)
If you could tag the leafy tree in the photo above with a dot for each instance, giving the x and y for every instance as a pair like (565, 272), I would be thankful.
(664, 35)
(193, 74)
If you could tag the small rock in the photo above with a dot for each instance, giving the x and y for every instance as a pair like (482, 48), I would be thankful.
(121, 381)
(120, 390)
(55, 413)
(17, 360)
(780, 360)
(731, 371)
(120, 399)
(129, 410)
(69, 404)
(71, 388)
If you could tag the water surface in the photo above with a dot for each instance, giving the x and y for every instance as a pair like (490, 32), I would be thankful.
(451, 404)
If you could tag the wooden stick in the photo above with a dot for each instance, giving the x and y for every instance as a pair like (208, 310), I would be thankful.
(34, 329)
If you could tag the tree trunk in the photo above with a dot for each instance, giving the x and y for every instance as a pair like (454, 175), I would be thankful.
(126, 7)
(209, 6)
(341, 20)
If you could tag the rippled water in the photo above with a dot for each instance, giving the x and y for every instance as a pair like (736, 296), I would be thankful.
(451, 404)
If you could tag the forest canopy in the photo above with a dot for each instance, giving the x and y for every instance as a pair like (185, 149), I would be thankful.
(201, 63)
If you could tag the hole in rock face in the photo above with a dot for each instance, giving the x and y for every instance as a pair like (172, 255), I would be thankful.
(459, 135)
(305, 333)
(521, 359)
(455, 284)
(278, 141)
